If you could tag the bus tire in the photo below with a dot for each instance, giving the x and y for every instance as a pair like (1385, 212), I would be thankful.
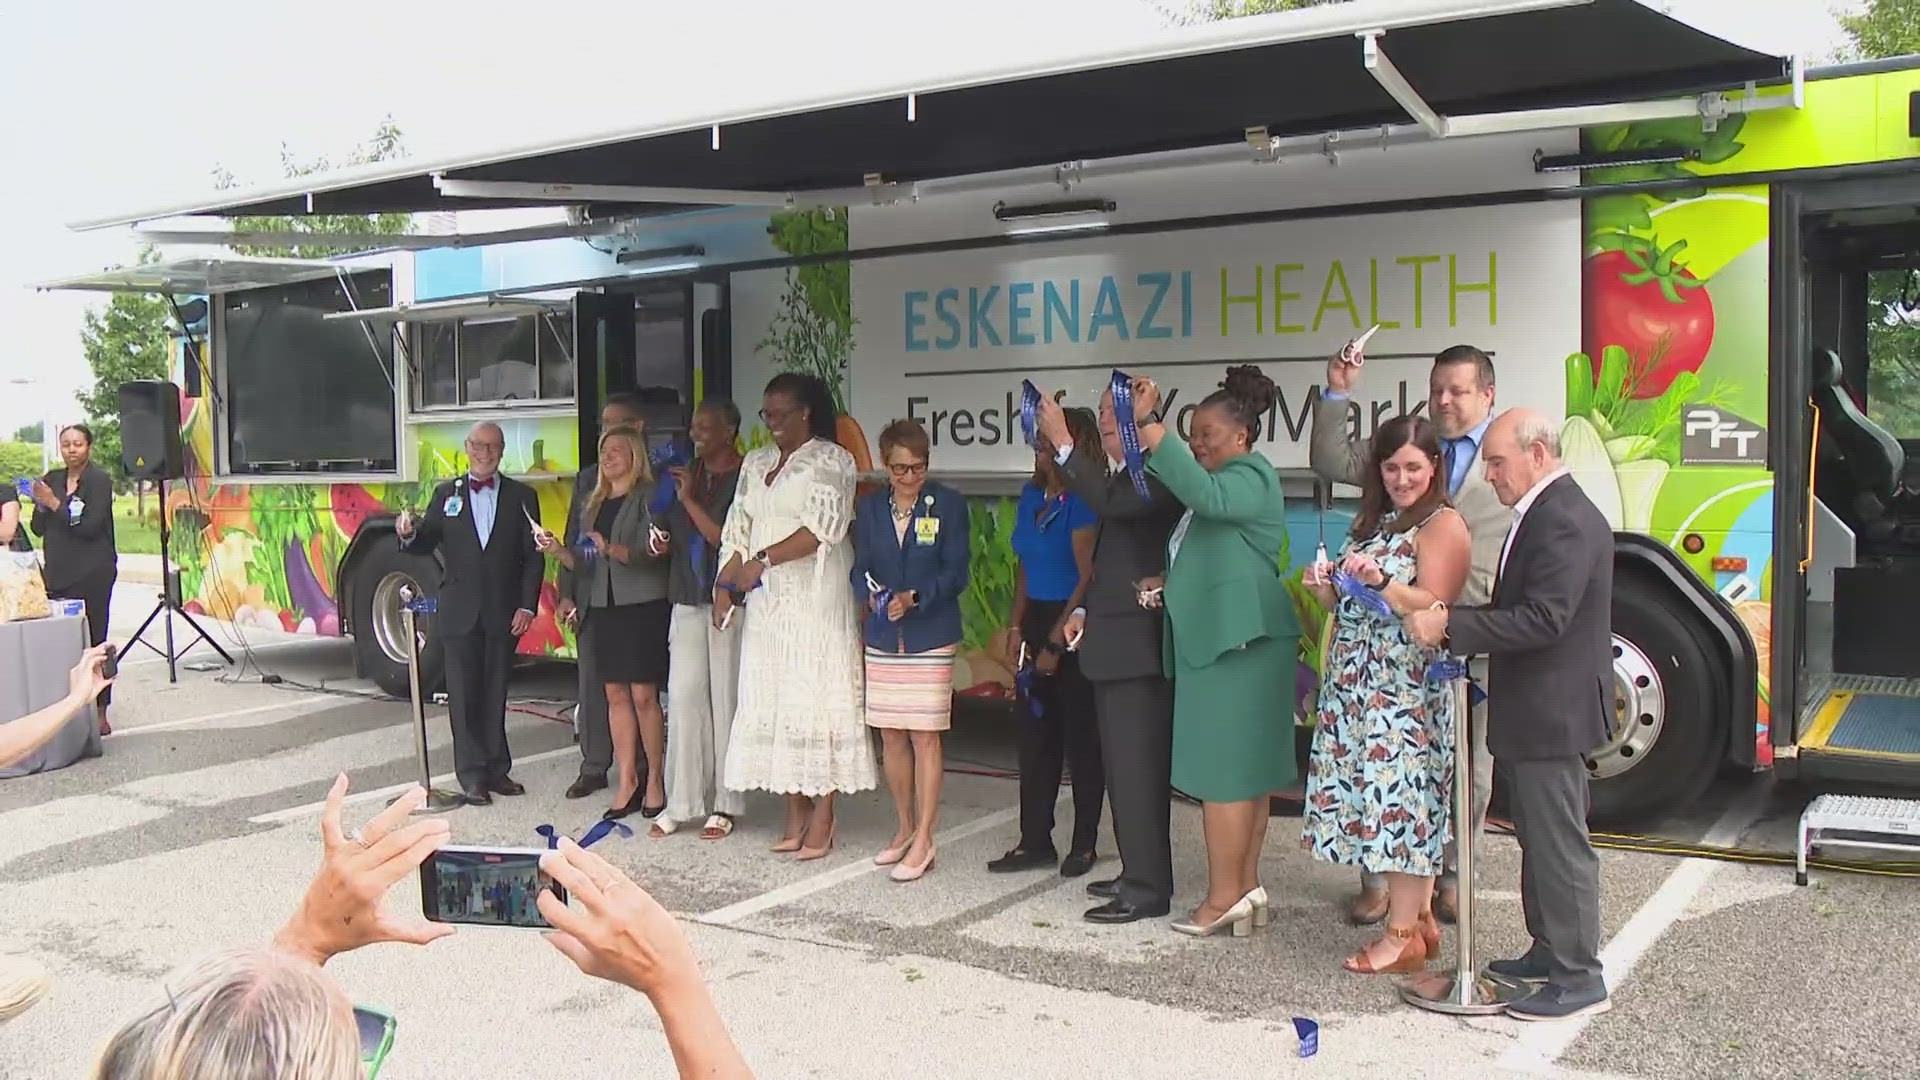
(379, 635)
(1664, 749)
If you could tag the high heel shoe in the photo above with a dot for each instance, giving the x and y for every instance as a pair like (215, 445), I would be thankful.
(1239, 918)
(904, 872)
(1262, 911)
(1430, 932)
(808, 854)
(892, 855)
(1411, 958)
(634, 802)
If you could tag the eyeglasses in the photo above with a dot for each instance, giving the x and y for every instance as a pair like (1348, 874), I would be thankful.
(912, 468)
(773, 416)
(488, 447)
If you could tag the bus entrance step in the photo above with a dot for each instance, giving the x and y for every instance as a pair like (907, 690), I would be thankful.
(1857, 821)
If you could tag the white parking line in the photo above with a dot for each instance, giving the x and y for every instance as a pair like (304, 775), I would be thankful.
(805, 887)
(1541, 1045)
(295, 813)
(290, 701)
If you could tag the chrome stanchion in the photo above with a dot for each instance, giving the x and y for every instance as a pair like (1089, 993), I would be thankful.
(1464, 991)
(412, 606)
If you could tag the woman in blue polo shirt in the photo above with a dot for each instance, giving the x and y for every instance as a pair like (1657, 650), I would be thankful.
(1053, 540)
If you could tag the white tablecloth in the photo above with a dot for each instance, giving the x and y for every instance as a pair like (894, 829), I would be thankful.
(35, 656)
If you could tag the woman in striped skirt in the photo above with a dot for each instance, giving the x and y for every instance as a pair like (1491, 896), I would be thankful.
(909, 569)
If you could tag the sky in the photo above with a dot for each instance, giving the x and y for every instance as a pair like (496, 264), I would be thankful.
(120, 105)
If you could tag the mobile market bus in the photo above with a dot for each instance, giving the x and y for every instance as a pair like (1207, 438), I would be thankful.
(1700, 256)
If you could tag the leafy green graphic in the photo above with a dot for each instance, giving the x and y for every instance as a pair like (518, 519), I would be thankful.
(990, 575)
(1618, 213)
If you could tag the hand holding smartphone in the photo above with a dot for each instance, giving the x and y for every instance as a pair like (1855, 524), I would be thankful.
(486, 886)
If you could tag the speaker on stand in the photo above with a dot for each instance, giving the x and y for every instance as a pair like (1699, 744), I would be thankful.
(151, 449)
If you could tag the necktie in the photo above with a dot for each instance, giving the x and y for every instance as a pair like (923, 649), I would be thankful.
(480, 485)
(1449, 456)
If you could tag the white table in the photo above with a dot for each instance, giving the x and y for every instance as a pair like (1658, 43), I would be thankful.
(35, 657)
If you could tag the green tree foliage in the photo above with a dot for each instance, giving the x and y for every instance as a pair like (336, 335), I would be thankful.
(1884, 28)
(34, 433)
(124, 341)
(1893, 351)
(18, 459)
(385, 145)
(1194, 12)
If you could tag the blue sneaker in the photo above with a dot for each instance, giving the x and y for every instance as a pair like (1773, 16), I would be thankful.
(1558, 1003)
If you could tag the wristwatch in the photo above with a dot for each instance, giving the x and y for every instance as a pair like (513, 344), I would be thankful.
(761, 558)
(1386, 579)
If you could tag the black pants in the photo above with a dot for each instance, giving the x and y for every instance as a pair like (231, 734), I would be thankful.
(595, 734)
(1136, 740)
(1064, 733)
(478, 663)
(97, 594)
(1559, 872)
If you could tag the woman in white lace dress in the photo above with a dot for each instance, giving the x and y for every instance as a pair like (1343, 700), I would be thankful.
(799, 728)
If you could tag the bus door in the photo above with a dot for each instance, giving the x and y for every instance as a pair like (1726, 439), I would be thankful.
(1848, 495)
(664, 345)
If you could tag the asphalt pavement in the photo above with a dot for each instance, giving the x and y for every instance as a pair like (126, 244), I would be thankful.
(198, 830)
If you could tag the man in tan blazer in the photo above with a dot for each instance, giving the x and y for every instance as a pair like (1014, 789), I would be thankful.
(1460, 404)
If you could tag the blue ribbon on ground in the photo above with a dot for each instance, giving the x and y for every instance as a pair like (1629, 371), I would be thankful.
(1371, 599)
(1123, 422)
(1029, 409)
(1309, 1034)
(591, 837)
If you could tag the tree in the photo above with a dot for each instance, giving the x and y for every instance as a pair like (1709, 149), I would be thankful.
(35, 433)
(385, 145)
(123, 341)
(1886, 28)
(1193, 12)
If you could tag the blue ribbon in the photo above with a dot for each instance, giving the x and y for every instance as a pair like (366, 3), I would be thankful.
(675, 454)
(882, 596)
(1123, 422)
(1445, 669)
(1029, 409)
(422, 605)
(591, 837)
(1309, 1035)
(1351, 587)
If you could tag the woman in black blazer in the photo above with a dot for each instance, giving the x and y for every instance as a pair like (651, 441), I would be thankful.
(73, 513)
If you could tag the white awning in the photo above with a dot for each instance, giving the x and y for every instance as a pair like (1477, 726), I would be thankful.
(454, 310)
(201, 276)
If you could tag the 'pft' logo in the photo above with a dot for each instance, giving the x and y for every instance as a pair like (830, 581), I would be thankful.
(1715, 436)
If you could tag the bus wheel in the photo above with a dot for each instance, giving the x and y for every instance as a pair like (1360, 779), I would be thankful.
(1662, 752)
(380, 635)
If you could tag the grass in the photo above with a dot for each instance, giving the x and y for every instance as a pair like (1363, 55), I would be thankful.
(134, 535)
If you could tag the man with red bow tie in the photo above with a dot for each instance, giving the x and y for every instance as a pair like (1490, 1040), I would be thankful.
(488, 595)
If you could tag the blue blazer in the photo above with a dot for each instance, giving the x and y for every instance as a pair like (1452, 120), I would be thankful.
(932, 562)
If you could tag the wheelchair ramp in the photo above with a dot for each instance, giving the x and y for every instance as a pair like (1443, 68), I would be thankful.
(1867, 715)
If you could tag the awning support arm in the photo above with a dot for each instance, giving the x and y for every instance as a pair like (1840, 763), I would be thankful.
(605, 193)
(1381, 67)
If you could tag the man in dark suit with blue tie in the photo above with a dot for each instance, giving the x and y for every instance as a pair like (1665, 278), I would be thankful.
(488, 594)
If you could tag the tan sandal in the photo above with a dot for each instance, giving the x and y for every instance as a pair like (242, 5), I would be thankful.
(1412, 956)
(718, 827)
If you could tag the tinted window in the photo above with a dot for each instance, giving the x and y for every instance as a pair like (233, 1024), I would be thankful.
(304, 394)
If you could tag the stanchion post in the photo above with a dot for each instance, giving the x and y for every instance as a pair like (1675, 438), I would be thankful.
(412, 606)
(1464, 991)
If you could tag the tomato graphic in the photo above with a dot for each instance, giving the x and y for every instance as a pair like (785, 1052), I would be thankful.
(1644, 301)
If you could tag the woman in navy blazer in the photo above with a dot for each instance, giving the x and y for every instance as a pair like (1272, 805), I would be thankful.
(909, 569)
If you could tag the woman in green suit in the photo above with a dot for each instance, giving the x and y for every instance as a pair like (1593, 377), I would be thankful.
(1232, 635)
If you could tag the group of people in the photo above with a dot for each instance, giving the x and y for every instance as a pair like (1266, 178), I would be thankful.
(1152, 634)
(71, 510)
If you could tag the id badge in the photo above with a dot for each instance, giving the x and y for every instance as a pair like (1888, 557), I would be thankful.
(452, 506)
(75, 507)
(926, 530)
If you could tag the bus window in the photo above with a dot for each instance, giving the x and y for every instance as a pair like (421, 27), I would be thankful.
(1893, 352)
(484, 360)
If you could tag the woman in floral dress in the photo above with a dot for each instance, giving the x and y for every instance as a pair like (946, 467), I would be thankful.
(1380, 778)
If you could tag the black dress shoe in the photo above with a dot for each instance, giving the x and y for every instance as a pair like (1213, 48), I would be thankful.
(1117, 911)
(585, 786)
(1104, 890)
(476, 796)
(506, 785)
(1077, 863)
(1526, 968)
(1022, 859)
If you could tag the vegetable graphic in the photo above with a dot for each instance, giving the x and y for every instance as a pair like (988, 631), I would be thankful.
(1586, 458)
(1638, 297)
(351, 506)
(308, 598)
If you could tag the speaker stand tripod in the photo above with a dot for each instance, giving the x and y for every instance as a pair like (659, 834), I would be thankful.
(169, 606)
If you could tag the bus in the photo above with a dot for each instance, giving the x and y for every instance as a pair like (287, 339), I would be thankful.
(1708, 265)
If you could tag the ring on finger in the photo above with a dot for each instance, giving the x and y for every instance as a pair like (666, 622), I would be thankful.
(360, 838)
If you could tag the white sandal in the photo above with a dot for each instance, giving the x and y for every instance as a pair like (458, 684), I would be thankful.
(718, 823)
(663, 826)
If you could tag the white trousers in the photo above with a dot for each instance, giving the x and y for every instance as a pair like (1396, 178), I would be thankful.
(703, 677)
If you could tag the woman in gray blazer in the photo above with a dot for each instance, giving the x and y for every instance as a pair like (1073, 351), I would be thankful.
(620, 575)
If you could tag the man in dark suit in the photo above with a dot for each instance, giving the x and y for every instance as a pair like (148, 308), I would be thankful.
(1120, 655)
(590, 719)
(488, 595)
(1548, 634)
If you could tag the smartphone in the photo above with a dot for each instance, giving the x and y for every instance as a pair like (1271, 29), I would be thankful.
(111, 667)
(376, 1037)
(482, 886)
